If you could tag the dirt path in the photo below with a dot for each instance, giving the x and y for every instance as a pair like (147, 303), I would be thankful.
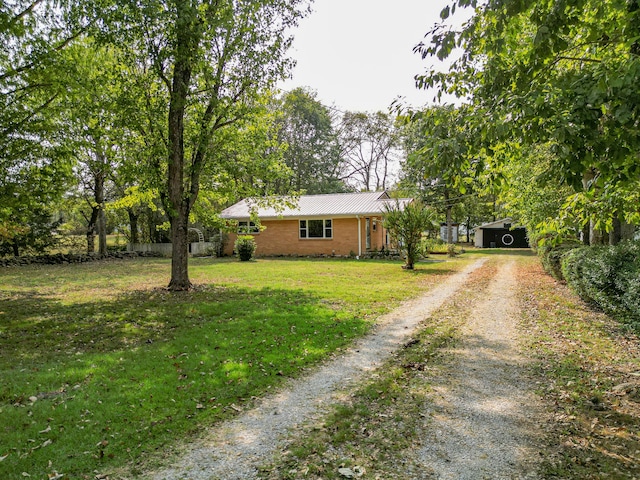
(234, 449)
(484, 415)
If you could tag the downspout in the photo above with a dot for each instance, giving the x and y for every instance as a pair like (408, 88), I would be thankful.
(359, 237)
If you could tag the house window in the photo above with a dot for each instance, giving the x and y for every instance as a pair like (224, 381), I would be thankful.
(316, 229)
(245, 227)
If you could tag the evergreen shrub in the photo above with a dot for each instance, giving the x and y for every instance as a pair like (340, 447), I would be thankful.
(551, 257)
(245, 247)
(608, 277)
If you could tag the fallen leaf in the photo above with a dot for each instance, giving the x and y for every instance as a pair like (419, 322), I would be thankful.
(46, 430)
(346, 472)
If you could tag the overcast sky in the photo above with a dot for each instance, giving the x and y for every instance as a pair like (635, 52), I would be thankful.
(358, 54)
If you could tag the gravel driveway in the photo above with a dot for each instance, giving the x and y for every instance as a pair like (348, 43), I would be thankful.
(482, 414)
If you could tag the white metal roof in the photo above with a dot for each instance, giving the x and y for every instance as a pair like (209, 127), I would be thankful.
(333, 205)
(497, 224)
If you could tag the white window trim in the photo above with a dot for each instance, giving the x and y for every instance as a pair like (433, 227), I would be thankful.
(251, 228)
(324, 228)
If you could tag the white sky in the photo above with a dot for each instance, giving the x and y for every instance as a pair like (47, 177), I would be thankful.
(358, 55)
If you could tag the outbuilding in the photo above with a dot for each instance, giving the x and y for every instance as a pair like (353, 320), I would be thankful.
(501, 234)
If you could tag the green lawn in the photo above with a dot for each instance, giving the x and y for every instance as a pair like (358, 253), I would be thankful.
(102, 368)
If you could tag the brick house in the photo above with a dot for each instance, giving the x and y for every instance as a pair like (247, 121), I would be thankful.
(333, 224)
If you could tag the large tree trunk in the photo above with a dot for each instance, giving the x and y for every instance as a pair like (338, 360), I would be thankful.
(178, 206)
(586, 238)
(180, 251)
(468, 229)
(615, 235)
(133, 225)
(91, 230)
(102, 217)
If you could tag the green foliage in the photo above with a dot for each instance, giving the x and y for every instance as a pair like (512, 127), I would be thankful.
(551, 255)
(245, 247)
(534, 194)
(305, 129)
(607, 276)
(196, 68)
(557, 74)
(445, 163)
(406, 224)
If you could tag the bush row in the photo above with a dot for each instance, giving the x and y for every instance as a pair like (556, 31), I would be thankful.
(605, 276)
(62, 258)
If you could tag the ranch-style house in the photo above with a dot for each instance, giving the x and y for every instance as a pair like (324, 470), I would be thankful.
(338, 224)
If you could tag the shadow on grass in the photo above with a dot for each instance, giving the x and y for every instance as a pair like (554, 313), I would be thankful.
(114, 379)
(36, 325)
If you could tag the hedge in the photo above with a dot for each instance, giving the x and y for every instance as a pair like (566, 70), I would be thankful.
(551, 257)
(608, 277)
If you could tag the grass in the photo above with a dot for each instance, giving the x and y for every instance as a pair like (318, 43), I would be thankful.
(104, 370)
(589, 375)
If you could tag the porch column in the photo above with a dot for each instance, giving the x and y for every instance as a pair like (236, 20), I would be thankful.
(359, 236)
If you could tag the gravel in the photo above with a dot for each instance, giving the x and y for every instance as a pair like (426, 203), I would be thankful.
(484, 414)
(234, 449)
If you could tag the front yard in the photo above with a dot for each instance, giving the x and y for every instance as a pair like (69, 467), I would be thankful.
(102, 368)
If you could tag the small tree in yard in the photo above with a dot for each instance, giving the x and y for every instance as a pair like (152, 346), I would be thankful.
(406, 225)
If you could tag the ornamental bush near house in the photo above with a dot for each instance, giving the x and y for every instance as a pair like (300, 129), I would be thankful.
(245, 247)
(608, 277)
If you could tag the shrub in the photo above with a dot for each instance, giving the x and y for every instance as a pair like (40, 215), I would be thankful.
(245, 247)
(551, 257)
(608, 277)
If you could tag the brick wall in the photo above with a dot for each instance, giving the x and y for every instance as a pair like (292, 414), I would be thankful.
(281, 237)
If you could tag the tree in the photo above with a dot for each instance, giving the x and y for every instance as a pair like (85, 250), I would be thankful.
(34, 164)
(442, 156)
(27, 212)
(207, 61)
(94, 124)
(312, 153)
(554, 73)
(406, 225)
(535, 195)
(369, 143)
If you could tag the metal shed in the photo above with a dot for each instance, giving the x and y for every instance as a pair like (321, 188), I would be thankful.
(501, 234)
